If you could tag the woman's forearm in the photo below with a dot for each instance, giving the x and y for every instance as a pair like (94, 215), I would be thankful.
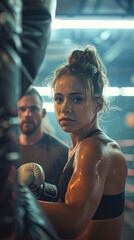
(64, 219)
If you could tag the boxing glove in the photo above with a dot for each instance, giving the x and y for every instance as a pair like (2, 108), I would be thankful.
(32, 174)
(33, 223)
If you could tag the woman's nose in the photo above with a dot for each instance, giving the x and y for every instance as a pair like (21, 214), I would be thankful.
(66, 107)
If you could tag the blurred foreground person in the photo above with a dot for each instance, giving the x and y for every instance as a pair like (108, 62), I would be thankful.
(36, 145)
(20, 215)
(92, 186)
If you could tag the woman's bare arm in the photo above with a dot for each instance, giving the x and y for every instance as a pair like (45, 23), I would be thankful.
(83, 194)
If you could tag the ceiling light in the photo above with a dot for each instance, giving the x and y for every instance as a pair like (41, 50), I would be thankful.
(92, 24)
(127, 91)
(49, 106)
(108, 91)
(44, 91)
(111, 91)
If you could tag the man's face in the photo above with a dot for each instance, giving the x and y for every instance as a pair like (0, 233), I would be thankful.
(30, 114)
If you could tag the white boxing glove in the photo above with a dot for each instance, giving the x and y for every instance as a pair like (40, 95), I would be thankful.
(32, 174)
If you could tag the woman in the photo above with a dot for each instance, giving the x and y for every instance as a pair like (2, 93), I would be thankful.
(91, 188)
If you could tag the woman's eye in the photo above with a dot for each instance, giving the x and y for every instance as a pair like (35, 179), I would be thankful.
(77, 100)
(58, 100)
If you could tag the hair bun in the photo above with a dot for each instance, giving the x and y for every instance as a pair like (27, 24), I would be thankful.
(85, 57)
(75, 56)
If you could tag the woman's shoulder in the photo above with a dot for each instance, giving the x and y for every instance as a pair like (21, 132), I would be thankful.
(104, 154)
(101, 140)
(100, 145)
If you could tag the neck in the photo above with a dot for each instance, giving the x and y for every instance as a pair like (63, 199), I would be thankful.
(30, 139)
(78, 136)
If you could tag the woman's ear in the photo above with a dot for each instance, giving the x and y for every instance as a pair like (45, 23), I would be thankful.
(99, 104)
(43, 112)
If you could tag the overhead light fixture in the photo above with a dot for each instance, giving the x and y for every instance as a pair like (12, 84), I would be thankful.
(49, 106)
(111, 91)
(108, 91)
(44, 91)
(127, 91)
(92, 24)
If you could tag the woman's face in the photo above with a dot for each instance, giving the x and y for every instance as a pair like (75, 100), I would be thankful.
(74, 109)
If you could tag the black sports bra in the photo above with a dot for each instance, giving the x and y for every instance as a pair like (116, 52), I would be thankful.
(110, 206)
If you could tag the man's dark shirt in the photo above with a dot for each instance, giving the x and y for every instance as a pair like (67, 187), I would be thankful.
(50, 153)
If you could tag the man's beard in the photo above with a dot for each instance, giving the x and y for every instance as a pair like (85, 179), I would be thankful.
(29, 131)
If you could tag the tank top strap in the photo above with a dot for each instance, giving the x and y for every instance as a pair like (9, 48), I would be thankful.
(93, 132)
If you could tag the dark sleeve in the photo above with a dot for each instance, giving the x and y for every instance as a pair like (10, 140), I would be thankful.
(36, 20)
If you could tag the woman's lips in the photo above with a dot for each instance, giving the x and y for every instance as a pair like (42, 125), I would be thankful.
(66, 120)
